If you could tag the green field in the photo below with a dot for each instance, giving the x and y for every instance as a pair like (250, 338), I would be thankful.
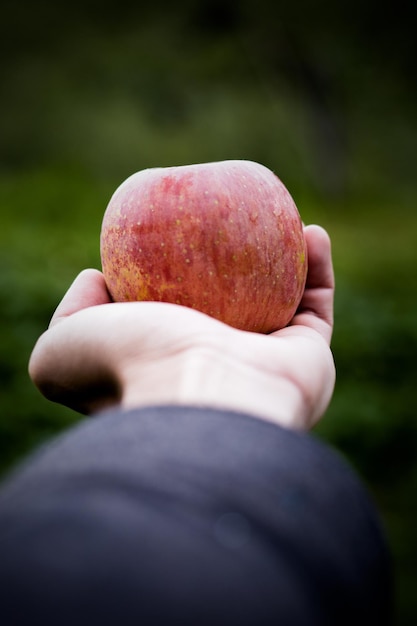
(333, 115)
(50, 231)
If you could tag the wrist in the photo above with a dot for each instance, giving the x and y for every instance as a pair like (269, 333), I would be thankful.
(205, 376)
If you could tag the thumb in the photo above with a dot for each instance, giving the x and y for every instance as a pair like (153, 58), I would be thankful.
(88, 289)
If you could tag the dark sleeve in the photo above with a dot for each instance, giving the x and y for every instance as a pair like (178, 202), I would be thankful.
(188, 516)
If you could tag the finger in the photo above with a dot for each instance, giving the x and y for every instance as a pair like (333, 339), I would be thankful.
(88, 289)
(316, 307)
(320, 266)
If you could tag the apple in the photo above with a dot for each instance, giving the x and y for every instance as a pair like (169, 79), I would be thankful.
(224, 238)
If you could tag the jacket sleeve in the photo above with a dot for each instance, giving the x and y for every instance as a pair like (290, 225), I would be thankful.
(189, 516)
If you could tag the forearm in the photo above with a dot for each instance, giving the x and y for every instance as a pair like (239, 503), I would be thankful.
(174, 505)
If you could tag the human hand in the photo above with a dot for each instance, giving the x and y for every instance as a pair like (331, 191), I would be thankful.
(96, 353)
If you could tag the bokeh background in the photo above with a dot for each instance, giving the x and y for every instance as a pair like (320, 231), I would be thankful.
(323, 93)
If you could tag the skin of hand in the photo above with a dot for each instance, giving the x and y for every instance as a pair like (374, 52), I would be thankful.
(97, 354)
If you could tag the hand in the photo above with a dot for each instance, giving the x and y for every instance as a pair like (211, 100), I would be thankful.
(96, 353)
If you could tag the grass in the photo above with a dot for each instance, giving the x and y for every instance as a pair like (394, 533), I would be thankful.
(50, 223)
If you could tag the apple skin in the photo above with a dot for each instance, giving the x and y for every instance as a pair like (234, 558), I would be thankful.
(224, 238)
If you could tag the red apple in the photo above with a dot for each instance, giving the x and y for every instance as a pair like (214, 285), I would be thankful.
(225, 238)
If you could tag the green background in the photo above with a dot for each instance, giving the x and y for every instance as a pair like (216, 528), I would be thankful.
(324, 95)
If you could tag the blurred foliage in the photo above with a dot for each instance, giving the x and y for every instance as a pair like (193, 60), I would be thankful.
(322, 93)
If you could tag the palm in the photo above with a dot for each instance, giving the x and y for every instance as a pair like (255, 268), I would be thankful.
(134, 350)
